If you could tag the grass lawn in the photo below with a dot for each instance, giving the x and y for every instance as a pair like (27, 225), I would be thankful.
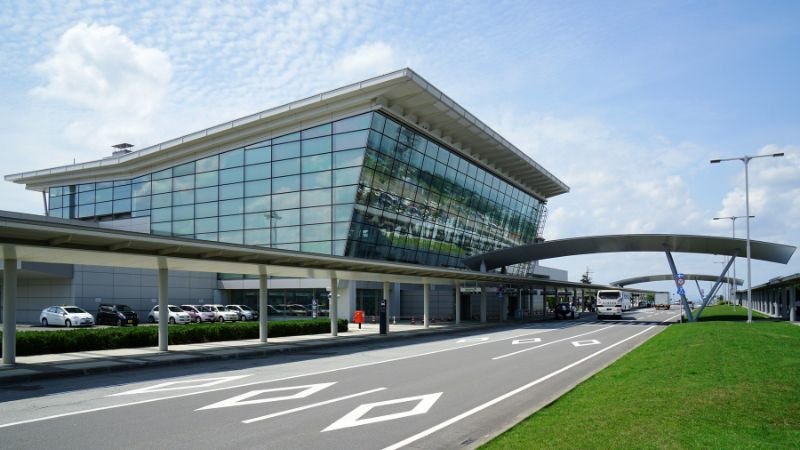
(711, 384)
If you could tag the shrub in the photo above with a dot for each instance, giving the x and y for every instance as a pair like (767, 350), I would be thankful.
(79, 340)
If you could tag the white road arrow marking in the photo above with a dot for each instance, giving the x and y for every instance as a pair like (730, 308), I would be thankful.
(181, 385)
(526, 341)
(241, 400)
(475, 339)
(313, 405)
(585, 343)
(353, 418)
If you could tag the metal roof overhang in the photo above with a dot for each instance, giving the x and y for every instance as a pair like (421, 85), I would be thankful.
(26, 237)
(403, 94)
(668, 277)
(715, 245)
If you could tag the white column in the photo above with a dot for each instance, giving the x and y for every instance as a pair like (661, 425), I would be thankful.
(388, 304)
(792, 303)
(334, 307)
(483, 304)
(9, 311)
(457, 292)
(163, 311)
(263, 311)
(426, 304)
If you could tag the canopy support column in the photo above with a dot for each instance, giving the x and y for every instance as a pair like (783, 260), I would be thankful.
(458, 302)
(426, 304)
(685, 303)
(9, 311)
(163, 309)
(334, 307)
(716, 286)
(483, 304)
(387, 299)
(263, 311)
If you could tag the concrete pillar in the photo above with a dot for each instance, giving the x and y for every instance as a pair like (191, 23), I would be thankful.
(9, 311)
(334, 307)
(426, 304)
(386, 298)
(504, 305)
(483, 304)
(457, 292)
(792, 303)
(263, 311)
(163, 310)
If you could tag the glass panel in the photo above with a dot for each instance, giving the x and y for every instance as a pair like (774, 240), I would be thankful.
(316, 197)
(183, 183)
(102, 209)
(342, 212)
(205, 210)
(167, 173)
(141, 179)
(286, 167)
(283, 218)
(208, 194)
(228, 191)
(183, 213)
(340, 230)
(321, 130)
(316, 180)
(207, 164)
(338, 248)
(122, 206)
(55, 191)
(161, 215)
(285, 151)
(121, 192)
(316, 247)
(286, 201)
(183, 198)
(256, 204)
(257, 171)
(257, 220)
(286, 138)
(205, 225)
(84, 198)
(254, 188)
(86, 210)
(256, 237)
(228, 223)
(184, 169)
(207, 179)
(348, 158)
(316, 163)
(378, 122)
(141, 203)
(321, 232)
(344, 194)
(183, 227)
(286, 184)
(317, 146)
(234, 175)
(227, 207)
(164, 228)
(161, 186)
(231, 237)
(318, 214)
(85, 187)
(55, 202)
(140, 189)
(233, 158)
(257, 155)
(103, 195)
(359, 122)
(292, 247)
(391, 129)
(162, 200)
(342, 177)
(287, 235)
(350, 140)
(207, 236)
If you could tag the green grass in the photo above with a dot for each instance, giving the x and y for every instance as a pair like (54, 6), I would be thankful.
(710, 384)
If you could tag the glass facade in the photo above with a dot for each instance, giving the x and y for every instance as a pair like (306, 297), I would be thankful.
(364, 186)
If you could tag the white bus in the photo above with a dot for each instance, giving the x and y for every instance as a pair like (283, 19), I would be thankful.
(612, 303)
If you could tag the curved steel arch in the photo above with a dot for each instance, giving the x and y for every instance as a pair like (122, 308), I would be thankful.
(716, 245)
(669, 277)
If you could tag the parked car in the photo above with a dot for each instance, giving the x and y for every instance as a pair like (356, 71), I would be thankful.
(223, 315)
(67, 316)
(245, 312)
(276, 310)
(199, 313)
(564, 309)
(298, 310)
(119, 315)
(176, 315)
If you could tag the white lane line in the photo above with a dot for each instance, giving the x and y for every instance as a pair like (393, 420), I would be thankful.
(549, 343)
(313, 405)
(507, 395)
(253, 383)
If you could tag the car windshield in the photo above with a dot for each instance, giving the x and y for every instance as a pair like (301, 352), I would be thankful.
(246, 308)
(124, 308)
(73, 309)
(206, 309)
(608, 295)
(175, 309)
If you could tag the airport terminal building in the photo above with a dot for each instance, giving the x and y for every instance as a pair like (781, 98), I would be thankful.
(387, 169)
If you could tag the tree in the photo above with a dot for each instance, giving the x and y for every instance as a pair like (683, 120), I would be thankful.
(585, 278)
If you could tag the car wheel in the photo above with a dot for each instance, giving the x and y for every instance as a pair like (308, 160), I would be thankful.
(221, 319)
(197, 319)
(243, 318)
(151, 319)
(67, 323)
(44, 322)
(119, 322)
(172, 320)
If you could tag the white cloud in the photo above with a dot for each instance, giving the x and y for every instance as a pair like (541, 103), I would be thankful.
(368, 60)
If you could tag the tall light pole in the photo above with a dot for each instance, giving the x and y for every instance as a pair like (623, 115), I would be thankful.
(746, 161)
(733, 235)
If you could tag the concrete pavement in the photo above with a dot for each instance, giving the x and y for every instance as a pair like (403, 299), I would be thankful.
(39, 367)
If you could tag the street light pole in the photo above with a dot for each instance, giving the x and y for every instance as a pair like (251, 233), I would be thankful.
(733, 235)
(746, 161)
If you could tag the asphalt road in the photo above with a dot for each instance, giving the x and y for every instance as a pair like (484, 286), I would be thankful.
(439, 392)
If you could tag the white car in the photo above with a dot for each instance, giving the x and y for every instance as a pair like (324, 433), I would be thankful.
(223, 314)
(245, 312)
(176, 315)
(67, 316)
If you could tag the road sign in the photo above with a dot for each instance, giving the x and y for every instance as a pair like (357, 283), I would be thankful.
(681, 291)
(680, 280)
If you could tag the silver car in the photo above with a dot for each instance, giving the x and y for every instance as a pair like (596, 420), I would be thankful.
(245, 312)
(222, 314)
(175, 314)
(67, 316)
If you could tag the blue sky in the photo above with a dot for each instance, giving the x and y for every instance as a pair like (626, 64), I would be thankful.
(624, 101)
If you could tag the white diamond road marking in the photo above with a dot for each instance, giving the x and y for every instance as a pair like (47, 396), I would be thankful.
(585, 343)
(241, 400)
(475, 339)
(353, 418)
(526, 341)
(181, 385)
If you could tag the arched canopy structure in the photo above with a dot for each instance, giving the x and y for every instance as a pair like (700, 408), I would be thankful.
(714, 245)
(669, 277)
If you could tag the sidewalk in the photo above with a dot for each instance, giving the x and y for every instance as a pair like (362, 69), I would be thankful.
(29, 368)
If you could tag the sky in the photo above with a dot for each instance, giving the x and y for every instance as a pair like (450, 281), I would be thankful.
(626, 102)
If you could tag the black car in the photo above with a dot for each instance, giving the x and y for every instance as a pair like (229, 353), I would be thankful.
(119, 315)
(565, 309)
